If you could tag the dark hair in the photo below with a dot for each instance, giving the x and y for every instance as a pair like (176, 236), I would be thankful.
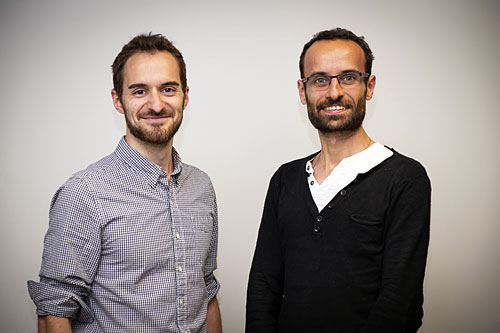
(145, 43)
(334, 34)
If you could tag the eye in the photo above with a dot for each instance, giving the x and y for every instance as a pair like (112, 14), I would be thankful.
(320, 80)
(348, 78)
(169, 91)
(139, 92)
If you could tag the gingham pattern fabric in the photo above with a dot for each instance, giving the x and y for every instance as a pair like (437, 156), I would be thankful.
(126, 252)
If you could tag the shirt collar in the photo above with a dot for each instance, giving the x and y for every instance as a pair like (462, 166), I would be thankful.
(367, 159)
(151, 171)
(361, 162)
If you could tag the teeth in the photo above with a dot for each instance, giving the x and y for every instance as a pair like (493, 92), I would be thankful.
(335, 108)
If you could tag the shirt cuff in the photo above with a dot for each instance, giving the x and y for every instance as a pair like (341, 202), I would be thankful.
(53, 300)
(213, 286)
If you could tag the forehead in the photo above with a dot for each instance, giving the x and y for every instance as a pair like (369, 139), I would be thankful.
(146, 66)
(333, 57)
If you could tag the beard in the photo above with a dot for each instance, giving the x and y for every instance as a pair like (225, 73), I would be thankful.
(345, 122)
(154, 134)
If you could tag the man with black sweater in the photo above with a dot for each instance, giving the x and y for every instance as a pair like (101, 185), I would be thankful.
(343, 240)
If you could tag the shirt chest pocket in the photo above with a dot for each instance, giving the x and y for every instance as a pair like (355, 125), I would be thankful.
(203, 230)
(366, 232)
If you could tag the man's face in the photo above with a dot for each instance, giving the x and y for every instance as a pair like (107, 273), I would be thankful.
(335, 109)
(152, 100)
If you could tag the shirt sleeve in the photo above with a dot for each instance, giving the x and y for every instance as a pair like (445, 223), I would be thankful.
(265, 284)
(211, 282)
(71, 254)
(399, 304)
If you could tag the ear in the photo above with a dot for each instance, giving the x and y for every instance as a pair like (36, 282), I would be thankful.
(370, 87)
(186, 97)
(116, 102)
(302, 92)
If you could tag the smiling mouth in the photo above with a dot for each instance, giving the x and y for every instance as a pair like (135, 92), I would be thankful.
(334, 109)
(155, 119)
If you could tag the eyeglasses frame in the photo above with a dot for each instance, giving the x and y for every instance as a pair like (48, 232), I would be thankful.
(305, 79)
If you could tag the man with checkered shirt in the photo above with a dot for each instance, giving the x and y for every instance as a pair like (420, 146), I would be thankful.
(132, 239)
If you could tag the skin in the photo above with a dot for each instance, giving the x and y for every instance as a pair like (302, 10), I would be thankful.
(53, 324)
(149, 104)
(153, 103)
(214, 324)
(333, 57)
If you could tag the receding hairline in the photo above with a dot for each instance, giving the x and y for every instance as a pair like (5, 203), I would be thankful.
(337, 40)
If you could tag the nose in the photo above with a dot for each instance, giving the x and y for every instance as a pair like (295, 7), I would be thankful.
(335, 89)
(155, 102)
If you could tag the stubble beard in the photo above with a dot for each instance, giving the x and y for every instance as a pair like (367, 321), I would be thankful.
(330, 123)
(154, 134)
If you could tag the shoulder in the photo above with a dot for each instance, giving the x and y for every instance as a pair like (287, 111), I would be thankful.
(290, 174)
(404, 169)
(81, 182)
(293, 167)
(193, 175)
(190, 171)
(99, 169)
(400, 163)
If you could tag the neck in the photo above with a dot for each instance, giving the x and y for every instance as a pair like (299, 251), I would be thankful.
(159, 154)
(339, 145)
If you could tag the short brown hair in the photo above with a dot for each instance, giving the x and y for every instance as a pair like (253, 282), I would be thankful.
(335, 34)
(145, 43)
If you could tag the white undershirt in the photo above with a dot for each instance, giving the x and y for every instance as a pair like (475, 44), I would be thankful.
(345, 172)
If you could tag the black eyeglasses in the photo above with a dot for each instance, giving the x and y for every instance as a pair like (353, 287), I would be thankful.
(349, 79)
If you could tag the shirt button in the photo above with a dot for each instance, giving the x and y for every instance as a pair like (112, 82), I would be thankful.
(319, 218)
(180, 268)
(343, 193)
(181, 301)
(312, 182)
(177, 235)
(330, 206)
(317, 228)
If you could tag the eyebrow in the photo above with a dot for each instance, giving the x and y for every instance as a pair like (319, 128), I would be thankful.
(143, 85)
(342, 72)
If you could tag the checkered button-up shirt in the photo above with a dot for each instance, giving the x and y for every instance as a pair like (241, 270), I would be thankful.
(128, 252)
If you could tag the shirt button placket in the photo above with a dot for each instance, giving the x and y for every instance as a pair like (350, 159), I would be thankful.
(179, 255)
(317, 224)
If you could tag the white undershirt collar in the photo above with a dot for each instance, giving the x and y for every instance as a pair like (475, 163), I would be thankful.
(345, 172)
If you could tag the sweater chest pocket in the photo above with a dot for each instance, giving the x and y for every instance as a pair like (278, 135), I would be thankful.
(366, 230)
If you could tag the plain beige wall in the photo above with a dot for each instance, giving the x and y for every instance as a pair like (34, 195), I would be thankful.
(437, 65)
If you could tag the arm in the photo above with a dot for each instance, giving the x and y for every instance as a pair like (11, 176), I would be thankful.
(53, 324)
(265, 284)
(214, 324)
(70, 256)
(399, 305)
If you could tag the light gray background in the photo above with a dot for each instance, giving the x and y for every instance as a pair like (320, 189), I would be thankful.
(437, 67)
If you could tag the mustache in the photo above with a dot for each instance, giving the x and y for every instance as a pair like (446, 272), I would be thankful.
(151, 113)
(331, 102)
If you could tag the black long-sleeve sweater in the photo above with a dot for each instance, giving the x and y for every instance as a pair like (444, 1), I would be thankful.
(356, 266)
